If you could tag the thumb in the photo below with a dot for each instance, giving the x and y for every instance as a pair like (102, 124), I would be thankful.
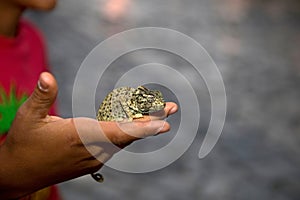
(43, 96)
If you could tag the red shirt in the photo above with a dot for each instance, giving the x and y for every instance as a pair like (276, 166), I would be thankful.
(22, 59)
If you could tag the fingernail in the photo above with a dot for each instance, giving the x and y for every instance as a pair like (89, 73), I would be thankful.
(43, 86)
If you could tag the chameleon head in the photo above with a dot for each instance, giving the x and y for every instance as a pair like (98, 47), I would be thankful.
(147, 101)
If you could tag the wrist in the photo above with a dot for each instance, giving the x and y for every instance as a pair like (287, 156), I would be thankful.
(14, 180)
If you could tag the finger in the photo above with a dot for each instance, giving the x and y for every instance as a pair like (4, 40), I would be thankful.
(43, 97)
(169, 109)
(122, 134)
(142, 129)
(91, 131)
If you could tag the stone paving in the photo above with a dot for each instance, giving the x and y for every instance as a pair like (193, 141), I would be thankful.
(255, 44)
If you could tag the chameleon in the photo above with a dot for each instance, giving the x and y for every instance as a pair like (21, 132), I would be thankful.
(127, 104)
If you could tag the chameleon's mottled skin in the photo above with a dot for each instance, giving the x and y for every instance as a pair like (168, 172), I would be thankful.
(126, 103)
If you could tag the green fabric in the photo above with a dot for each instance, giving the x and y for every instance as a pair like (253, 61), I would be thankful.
(9, 104)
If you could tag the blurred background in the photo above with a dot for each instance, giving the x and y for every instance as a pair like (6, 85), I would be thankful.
(255, 44)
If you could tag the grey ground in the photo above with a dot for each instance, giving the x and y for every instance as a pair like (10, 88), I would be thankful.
(256, 47)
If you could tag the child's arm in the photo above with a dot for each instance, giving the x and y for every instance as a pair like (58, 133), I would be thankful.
(42, 150)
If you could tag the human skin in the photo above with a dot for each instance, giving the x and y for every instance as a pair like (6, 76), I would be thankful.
(42, 150)
(35, 4)
(12, 10)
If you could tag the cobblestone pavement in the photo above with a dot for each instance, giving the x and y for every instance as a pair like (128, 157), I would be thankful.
(256, 47)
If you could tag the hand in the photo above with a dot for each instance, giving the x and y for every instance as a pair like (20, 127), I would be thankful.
(41, 150)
